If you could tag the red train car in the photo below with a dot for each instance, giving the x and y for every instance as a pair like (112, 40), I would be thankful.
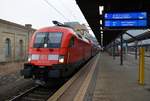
(56, 52)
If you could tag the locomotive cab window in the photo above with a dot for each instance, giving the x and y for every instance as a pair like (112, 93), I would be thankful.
(39, 40)
(71, 44)
(52, 39)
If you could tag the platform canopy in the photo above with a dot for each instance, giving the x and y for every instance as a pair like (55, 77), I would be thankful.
(90, 9)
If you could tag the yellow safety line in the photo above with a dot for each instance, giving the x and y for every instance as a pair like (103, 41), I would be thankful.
(81, 93)
(60, 92)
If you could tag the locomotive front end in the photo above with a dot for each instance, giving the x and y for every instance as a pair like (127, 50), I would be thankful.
(46, 56)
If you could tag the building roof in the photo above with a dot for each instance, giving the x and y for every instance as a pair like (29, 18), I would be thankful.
(15, 24)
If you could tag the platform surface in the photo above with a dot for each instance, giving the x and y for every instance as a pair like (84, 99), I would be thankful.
(119, 83)
(110, 81)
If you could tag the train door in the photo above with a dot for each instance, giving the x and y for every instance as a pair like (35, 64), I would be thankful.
(71, 53)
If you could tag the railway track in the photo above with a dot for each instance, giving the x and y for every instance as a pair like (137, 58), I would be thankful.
(43, 93)
(38, 93)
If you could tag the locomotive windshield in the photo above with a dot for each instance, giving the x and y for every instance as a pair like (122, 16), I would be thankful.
(52, 39)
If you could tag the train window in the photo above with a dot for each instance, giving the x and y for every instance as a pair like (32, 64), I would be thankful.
(40, 39)
(71, 44)
(54, 40)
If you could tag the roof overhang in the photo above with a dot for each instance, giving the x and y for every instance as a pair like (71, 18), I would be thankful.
(90, 9)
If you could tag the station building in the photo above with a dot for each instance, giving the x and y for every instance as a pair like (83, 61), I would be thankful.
(14, 41)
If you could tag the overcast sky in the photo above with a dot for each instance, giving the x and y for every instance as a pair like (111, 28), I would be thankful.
(39, 13)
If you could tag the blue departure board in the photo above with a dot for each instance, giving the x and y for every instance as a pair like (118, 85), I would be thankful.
(125, 23)
(134, 15)
(126, 20)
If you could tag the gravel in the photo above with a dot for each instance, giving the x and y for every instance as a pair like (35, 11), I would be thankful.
(11, 83)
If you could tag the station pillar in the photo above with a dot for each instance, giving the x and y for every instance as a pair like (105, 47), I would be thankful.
(121, 52)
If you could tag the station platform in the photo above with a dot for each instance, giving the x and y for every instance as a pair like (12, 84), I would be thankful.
(106, 80)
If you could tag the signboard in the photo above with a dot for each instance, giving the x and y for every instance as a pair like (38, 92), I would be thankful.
(134, 15)
(126, 20)
(125, 23)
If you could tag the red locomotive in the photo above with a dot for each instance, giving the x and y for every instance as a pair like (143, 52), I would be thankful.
(56, 52)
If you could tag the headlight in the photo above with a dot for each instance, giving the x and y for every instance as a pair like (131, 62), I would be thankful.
(33, 57)
(61, 59)
(29, 58)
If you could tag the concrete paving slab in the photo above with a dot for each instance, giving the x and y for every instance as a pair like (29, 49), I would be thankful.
(119, 83)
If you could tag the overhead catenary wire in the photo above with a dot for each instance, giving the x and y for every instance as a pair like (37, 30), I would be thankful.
(56, 10)
(70, 12)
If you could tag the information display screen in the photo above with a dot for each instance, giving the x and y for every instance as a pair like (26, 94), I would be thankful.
(126, 20)
(134, 15)
(125, 23)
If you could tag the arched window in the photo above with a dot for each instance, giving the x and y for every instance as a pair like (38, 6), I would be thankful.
(21, 48)
(8, 47)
